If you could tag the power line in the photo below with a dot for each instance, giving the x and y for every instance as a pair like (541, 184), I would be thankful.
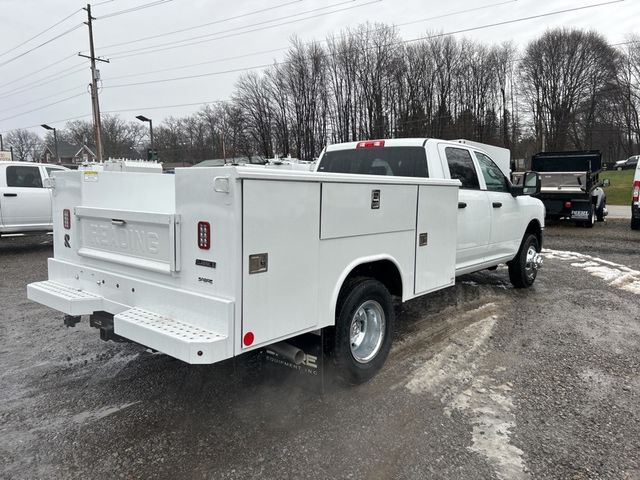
(42, 107)
(202, 25)
(236, 57)
(254, 67)
(208, 62)
(39, 83)
(26, 52)
(133, 9)
(522, 19)
(41, 33)
(173, 45)
(42, 98)
(57, 62)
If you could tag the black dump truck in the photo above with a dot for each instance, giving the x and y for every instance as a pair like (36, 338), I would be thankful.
(570, 185)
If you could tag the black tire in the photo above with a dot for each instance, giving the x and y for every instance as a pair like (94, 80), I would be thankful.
(600, 211)
(635, 223)
(367, 296)
(521, 272)
(591, 219)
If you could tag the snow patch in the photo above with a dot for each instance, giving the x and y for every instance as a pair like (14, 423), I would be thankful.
(486, 402)
(616, 275)
(490, 407)
(453, 359)
(91, 415)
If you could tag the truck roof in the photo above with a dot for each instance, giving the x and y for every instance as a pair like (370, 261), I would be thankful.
(392, 142)
(10, 162)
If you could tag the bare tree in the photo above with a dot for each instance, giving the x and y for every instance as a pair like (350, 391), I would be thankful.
(563, 71)
(25, 144)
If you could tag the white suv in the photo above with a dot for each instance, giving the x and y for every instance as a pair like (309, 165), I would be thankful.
(25, 203)
(635, 200)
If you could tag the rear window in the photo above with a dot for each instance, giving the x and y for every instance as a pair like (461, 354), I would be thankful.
(390, 161)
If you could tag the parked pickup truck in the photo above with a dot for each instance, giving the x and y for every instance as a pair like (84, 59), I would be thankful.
(210, 263)
(25, 202)
(570, 185)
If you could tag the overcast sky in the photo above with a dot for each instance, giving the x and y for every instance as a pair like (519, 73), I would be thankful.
(307, 19)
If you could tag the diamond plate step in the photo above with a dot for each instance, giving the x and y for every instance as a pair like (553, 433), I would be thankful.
(181, 340)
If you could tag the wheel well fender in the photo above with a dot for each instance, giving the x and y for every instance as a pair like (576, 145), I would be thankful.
(383, 268)
(535, 228)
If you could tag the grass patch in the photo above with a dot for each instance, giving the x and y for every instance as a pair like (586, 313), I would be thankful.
(619, 192)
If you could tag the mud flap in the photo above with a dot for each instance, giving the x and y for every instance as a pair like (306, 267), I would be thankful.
(310, 374)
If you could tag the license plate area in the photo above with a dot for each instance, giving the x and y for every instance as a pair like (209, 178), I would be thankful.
(141, 239)
(580, 214)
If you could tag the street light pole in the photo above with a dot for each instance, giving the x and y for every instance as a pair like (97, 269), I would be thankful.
(55, 139)
(142, 118)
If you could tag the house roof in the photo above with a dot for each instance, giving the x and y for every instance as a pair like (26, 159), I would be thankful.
(70, 150)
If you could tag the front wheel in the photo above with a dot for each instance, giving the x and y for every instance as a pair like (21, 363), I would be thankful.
(635, 223)
(523, 269)
(364, 328)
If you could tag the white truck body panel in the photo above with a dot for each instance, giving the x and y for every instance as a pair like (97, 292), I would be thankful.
(282, 243)
(132, 250)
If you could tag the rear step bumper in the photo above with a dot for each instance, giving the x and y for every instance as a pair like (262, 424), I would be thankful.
(64, 298)
(187, 339)
(181, 340)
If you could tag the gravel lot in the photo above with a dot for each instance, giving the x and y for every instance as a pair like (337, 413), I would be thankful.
(483, 382)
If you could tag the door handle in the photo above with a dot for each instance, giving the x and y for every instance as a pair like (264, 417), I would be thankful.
(10, 195)
(116, 221)
(497, 204)
(462, 205)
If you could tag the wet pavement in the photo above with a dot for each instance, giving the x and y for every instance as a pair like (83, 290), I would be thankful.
(483, 381)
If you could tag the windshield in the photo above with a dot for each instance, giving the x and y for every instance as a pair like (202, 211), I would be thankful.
(391, 161)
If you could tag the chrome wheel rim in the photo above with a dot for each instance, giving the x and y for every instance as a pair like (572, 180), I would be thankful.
(531, 265)
(366, 331)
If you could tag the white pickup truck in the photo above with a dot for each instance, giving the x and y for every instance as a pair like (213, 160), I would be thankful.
(25, 203)
(210, 263)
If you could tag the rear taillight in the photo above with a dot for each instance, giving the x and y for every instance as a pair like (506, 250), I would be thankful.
(370, 144)
(567, 204)
(204, 235)
(636, 191)
(66, 219)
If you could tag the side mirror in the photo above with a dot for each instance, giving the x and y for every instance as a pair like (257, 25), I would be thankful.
(48, 182)
(530, 184)
(606, 182)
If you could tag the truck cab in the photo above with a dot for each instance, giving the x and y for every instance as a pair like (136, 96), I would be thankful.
(25, 202)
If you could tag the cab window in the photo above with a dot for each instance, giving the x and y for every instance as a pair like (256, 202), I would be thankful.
(23, 176)
(388, 161)
(461, 167)
(493, 176)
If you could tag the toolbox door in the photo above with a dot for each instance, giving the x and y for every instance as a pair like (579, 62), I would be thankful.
(280, 242)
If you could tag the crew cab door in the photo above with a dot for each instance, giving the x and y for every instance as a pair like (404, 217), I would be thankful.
(506, 228)
(474, 214)
(24, 202)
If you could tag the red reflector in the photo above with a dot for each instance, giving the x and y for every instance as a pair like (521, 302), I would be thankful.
(636, 190)
(204, 235)
(66, 219)
(370, 144)
(567, 204)
(248, 338)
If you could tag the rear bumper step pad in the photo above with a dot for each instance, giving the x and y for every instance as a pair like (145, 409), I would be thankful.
(183, 341)
(64, 298)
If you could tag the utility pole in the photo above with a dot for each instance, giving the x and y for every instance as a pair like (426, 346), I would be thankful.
(95, 76)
